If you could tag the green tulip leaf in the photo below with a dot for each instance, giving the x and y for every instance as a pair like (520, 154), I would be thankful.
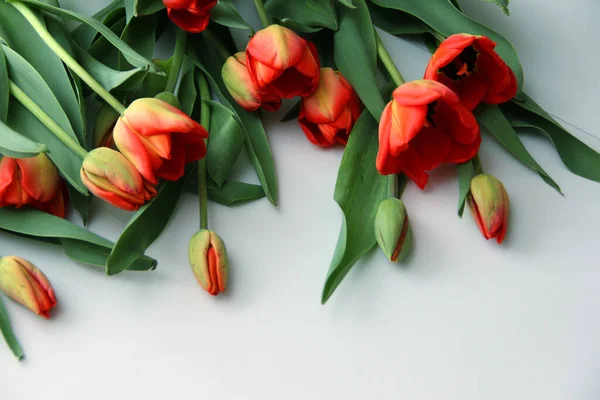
(293, 113)
(466, 173)
(146, 225)
(82, 204)
(79, 243)
(312, 14)
(359, 191)
(8, 333)
(130, 54)
(84, 35)
(581, 159)
(140, 35)
(147, 7)
(188, 94)
(503, 4)
(232, 193)
(396, 22)
(23, 39)
(347, 3)
(494, 121)
(257, 144)
(446, 19)
(355, 54)
(226, 14)
(4, 95)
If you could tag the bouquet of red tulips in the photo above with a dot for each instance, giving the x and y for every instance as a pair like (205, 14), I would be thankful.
(90, 112)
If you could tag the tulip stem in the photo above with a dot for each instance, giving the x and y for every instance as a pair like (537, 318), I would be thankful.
(202, 181)
(477, 165)
(397, 185)
(262, 13)
(67, 58)
(175, 70)
(386, 59)
(46, 120)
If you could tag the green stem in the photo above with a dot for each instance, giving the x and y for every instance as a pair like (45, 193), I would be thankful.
(45, 119)
(402, 183)
(262, 13)
(477, 165)
(175, 70)
(393, 185)
(387, 61)
(66, 57)
(202, 177)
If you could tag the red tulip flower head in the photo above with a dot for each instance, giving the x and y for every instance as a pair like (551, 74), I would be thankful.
(242, 89)
(470, 66)
(424, 126)
(159, 139)
(328, 115)
(26, 284)
(282, 63)
(190, 15)
(111, 177)
(34, 182)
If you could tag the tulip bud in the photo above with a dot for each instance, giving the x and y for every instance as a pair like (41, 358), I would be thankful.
(24, 283)
(111, 177)
(392, 229)
(489, 205)
(239, 83)
(208, 259)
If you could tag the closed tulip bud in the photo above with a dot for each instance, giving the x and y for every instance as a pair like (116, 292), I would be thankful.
(208, 259)
(190, 15)
(242, 89)
(111, 177)
(159, 139)
(282, 63)
(489, 205)
(392, 229)
(32, 182)
(24, 283)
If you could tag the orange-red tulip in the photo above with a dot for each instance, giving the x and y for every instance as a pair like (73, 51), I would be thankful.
(190, 15)
(159, 139)
(282, 63)
(470, 66)
(328, 115)
(242, 89)
(26, 284)
(424, 126)
(33, 182)
(111, 177)
(489, 206)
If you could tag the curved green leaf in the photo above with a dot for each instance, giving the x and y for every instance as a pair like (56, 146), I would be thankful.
(14, 145)
(131, 55)
(442, 16)
(140, 35)
(79, 243)
(359, 191)
(147, 7)
(396, 22)
(503, 4)
(233, 193)
(226, 14)
(84, 34)
(146, 226)
(8, 333)
(492, 118)
(355, 54)
(4, 88)
(314, 14)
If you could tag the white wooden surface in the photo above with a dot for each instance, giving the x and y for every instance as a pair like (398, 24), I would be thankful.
(462, 319)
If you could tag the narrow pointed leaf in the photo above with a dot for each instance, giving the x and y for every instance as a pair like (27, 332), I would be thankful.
(8, 333)
(226, 14)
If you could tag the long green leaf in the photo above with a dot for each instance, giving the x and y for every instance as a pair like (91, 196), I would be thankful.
(396, 22)
(581, 159)
(146, 226)
(492, 118)
(231, 194)
(226, 14)
(84, 34)
(355, 54)
(131, 55)
(359, 191)
(79, 243)
(315, 14)
(442, 16)
(140, 35)
(21, 38)
(8, 333)
(4, 95)
(257, 144)
(147, 7)
(503, 4)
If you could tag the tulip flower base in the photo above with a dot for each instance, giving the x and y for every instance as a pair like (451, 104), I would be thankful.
(91, 112)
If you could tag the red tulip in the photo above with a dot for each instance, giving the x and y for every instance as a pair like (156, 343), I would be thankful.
(470, 66)
(328, 115)
(24, 283)
(242, 89)
(111, 177)
(190, 15)
(208, 259)
(424, 126)
(159, 139)
(34, 182)
(282, 63)
(489, 206)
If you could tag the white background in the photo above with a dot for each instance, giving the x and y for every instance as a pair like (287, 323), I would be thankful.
(461, 319)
